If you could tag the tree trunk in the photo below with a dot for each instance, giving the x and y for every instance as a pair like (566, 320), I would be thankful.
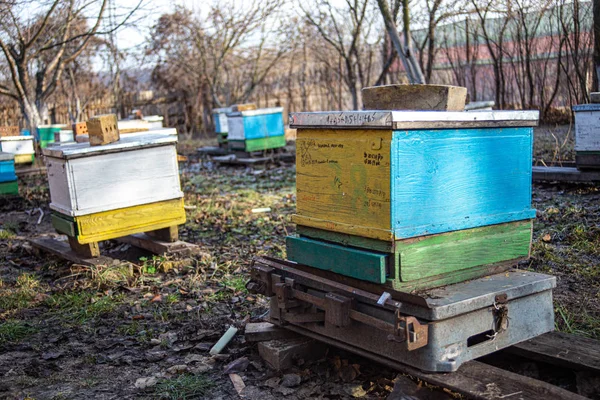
(597, 42)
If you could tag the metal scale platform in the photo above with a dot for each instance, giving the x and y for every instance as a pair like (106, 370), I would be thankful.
(434, 330)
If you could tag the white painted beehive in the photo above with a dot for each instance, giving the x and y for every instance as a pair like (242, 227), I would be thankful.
(135, 170)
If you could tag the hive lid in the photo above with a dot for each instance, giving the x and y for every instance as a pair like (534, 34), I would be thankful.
(413, 119)
(586, 107)
(11, 138)
(128, 142)
(260, 111)
(6, 156)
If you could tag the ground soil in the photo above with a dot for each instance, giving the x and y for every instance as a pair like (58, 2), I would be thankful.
(142, 327)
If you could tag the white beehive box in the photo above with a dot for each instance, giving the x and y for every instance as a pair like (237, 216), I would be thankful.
(587, 127)
(17, 144)
(135, 170)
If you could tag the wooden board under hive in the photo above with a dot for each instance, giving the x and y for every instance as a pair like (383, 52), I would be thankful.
(256, 130)
(403, 190)
(109, 191)
(587, 136)
(21, 146)
(8, 178)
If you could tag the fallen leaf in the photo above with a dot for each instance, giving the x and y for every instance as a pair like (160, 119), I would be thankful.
(546, 237)
(156, 299)
(238, 383)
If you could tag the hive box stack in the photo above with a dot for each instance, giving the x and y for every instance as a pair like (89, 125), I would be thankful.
(407, 225)
(587, 133)
(106, 191)
(20, 146)
(46, 133)
(256, 130)
(221, 127)
(413, 199)
(8, 179)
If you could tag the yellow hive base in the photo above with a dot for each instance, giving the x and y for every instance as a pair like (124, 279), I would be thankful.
(24, 158)
(122, 222)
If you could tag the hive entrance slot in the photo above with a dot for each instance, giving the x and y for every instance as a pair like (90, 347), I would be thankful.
(480, 338)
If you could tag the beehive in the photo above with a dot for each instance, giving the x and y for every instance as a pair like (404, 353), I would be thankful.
(415, 199)
(220, 120)
(20, 146)
(109, 191)
(8, 179)
(45, 133)
(587, 135)
(256, 130)
(64, 136)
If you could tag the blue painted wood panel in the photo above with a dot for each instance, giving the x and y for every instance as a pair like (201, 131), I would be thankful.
(262, 126)
(452, 179)
(348, 261)
(7, 171)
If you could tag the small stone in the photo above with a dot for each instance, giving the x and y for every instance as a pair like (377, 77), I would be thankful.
(291, 380)
(154, 356)
(168, 339)
(143, 383)
(155, 342)
(178, 369)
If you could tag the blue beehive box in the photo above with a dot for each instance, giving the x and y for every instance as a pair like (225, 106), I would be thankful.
(255, 130)
(8, 178)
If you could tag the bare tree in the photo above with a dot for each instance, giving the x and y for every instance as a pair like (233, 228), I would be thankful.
(38, 40)
(345, 30)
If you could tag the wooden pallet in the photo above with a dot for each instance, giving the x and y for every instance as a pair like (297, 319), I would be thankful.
(480, 381)
(89, 254)
(565, 174)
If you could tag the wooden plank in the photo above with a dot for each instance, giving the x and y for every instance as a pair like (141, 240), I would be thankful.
(564, 174)
(587, 160)
(103, 182)
(343, 180)
(272, 142)
(475, 380)
(130, 220)
(454, 179)
(155, 246)
(263, 331)
(30, 170)
(364, 265)
(63, 225)
(454, 251)
(63, 250)
(168, 234)
(415, 97)
(436, 256)
(561, 349)
(86, 250)
(395, 286)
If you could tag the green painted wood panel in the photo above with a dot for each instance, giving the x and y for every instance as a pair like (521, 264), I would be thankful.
(443, 258)
(348, 261)
(64, 225)
(460, 250)
(272, 142)
(9, 188)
